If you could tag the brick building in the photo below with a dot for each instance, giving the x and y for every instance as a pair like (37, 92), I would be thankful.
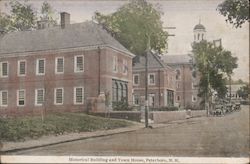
(186, 79)
(161, 82)
(59, 68)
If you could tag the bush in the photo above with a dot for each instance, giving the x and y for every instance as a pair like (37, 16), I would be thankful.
(171, 108)
(121, 106)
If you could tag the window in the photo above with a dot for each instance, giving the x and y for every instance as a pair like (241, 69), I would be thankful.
(4, 69)
(151, 78)
(119, 91)
(178, 74)
(193, 85)
(194, 98)
(39, 99)
(58, 96)
(21, 68)
(177, 85)
(115, 67)
(59, 66)
(79, 64)
(170, 97)
(78, 95)
(178, 98)
(125, 66)
(136, 99)
(136, 79)
(4, 98)
(40, 66)
(114, 91)
(151, 99)
(21, 97)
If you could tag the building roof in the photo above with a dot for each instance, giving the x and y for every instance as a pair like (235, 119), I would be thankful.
(199, 27)
(177, 59)
(235, 87)
(154, 61)
(84, 34)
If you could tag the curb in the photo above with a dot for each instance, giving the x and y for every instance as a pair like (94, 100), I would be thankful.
(137, 127)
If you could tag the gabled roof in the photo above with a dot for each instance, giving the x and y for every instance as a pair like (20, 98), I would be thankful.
(154, 61)
(177, 59)
(84, 34)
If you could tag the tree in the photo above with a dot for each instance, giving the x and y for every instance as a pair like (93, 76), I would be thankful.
(23, 16)
(214, 64)
(133, 23)
(235, 11)
(48, 13)
(244, 91)
(5, 22)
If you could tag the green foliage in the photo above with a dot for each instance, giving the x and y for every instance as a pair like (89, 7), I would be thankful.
(121, 106)
(170, 108)
(48, 13)
(214, 64)
(235, 11)
(133, 24)
(19, 129)
(24, 17)
(244, 91)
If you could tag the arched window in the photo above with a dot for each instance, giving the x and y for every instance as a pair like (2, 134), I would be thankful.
(120, 95)
(202, 37)
(198, 36)
(125, 92)
(115, 91)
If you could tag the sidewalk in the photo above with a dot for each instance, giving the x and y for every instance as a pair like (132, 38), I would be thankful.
(53, 140)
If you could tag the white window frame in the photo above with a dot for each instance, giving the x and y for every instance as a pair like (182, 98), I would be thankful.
(193, 98)
(134, 79)
(1, 98)
(56, 64)
(1, 73)
(18, 70)
(77, 103)
(179, 77)
(37, 66)
(36, 96)
(75, 63)
(125, 67)
(134, 96)
(18, 97)
(149, 79)
(115, 64)
(150, 95)
(55, 96)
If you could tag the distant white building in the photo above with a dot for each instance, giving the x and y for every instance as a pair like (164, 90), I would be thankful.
(234, 89)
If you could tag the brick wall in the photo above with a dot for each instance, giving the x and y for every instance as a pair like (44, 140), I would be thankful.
(67, 80)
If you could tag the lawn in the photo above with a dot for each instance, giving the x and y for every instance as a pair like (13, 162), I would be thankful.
(20, 129)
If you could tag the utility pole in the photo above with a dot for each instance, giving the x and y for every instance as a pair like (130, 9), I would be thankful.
(146, 74)
(146, 81)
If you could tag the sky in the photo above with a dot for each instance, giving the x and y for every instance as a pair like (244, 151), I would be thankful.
(182, 14)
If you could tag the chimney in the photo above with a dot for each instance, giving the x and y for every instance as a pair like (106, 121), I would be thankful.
(65, 19)
(42, 24)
